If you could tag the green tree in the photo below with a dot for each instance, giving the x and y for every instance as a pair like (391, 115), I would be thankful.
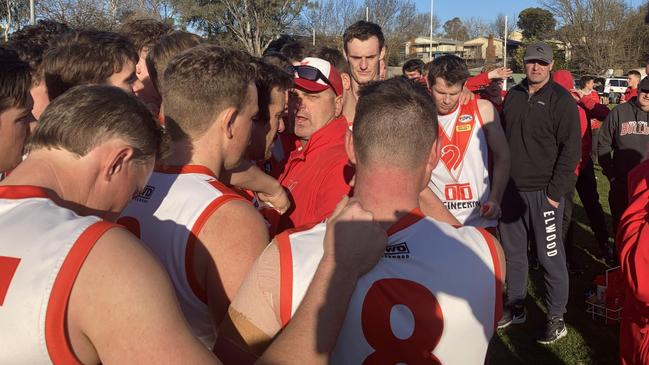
(536, 23)
(455, 29)
(249, 24)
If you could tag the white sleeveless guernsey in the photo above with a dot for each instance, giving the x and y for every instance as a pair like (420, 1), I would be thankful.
(168, 216)
(42, 249)
(433, 298)
(461, 177)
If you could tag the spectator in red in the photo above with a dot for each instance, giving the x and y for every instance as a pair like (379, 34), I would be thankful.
(316, 173)
(633, 247)
(489, 73)
(489, 84)
(633, 78)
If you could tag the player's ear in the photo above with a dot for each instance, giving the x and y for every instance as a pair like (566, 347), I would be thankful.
(347, 81)
(433, 158)
(118, 160)
(225, 121)
(349, 146)
(339, 104)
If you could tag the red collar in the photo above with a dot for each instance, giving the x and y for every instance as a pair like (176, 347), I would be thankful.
(185, 169)
(406, 221)
(22, 192)
(334, 132)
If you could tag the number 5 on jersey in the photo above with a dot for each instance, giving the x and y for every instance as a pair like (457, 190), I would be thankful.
(375, 318)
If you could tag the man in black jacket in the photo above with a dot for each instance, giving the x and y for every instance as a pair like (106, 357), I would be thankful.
(541, 124)
(625, 133)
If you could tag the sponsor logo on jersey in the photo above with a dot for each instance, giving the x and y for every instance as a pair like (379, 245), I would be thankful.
(463, 128)
(397, 251)
(145, 195)
(466, 118)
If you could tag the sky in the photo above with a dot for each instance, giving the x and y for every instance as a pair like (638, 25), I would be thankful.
(485, 9)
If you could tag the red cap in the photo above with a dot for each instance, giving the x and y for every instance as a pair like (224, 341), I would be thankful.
(320, 85)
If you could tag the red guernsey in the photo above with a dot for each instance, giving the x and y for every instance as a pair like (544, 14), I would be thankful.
(317, 176)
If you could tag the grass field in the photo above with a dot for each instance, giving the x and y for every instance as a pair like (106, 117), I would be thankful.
(589, 341)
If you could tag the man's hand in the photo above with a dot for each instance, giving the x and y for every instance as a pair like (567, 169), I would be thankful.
(277, 199)
(466, 96)
(353, 242)
(500, 73)
(553, 203)
(490, 210)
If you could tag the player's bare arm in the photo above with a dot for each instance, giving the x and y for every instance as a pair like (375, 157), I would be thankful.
(249, 329)
(499, 150)
(122, 309)
(229, 243)
(433, 207)
(249, 176)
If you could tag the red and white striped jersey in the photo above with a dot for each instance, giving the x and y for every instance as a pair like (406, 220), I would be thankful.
(461, 177)
(42, 249)
(168, 216)
(435, 294)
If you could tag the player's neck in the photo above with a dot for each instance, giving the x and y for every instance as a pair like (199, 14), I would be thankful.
(388, 193)
(349, 105)
(67, 181)
(197, 152)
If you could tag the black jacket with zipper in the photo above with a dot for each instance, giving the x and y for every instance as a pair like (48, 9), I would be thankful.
(544, 138)
(625, 133)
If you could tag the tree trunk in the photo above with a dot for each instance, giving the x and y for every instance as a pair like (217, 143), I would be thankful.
(8, 20)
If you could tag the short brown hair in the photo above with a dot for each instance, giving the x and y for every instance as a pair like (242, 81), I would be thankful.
(15, 80)
(31, 43)
(267, 78)
(88, 115)
(395, 123)
(363, 31)
(450, 68)
(412, 65)
(635, 73)
(165, 50)
(333, 56)
(201, 82)
(85, 57)
(144, 32)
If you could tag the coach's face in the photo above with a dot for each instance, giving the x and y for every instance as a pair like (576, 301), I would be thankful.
(314, 110)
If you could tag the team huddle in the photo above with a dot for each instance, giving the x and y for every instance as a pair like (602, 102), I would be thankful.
(167, 200)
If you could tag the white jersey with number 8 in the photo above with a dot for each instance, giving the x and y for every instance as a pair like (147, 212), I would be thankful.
(434, 297)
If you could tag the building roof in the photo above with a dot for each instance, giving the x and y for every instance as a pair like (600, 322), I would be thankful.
(436, 40)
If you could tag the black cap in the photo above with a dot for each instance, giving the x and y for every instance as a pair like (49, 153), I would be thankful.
(644, 84)
(538, 51)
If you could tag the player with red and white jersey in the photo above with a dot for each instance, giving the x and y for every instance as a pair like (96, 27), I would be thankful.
(64, 271)
(434, 297)
(204, 234)
(474, 158)
(76, 289)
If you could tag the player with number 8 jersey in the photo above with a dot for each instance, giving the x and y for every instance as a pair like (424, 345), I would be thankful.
(415, 300)
(435, 295)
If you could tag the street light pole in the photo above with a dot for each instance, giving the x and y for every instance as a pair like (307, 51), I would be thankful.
(430, 49)
(32, 13)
